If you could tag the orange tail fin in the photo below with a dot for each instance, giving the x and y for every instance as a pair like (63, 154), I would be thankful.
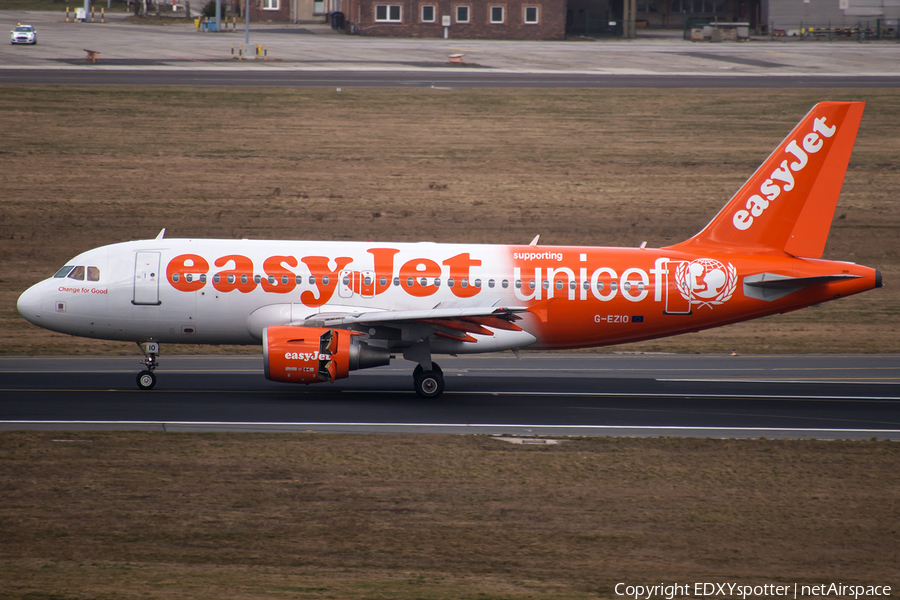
(788, 203)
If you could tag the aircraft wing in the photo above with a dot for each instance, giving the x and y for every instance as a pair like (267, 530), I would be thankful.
(454, 320)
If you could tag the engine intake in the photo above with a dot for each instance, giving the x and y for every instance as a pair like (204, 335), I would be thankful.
(311, 354)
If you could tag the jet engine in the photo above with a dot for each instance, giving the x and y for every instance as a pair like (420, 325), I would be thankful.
(311, 354)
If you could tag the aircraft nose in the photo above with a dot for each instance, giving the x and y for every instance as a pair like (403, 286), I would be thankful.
(29, 305)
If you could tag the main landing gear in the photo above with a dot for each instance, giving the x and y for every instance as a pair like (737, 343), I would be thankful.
(146, 379)
(428, 384)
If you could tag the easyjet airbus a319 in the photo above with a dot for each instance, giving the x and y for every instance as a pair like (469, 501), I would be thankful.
(323, 309)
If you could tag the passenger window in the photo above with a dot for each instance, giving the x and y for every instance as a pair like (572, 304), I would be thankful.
(77, 273)
(93, 274)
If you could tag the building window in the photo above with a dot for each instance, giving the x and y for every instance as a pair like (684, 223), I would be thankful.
(270, 5)
(496, 14)
(387, 13)
(531, 14)
(428, 14)
(462, 14)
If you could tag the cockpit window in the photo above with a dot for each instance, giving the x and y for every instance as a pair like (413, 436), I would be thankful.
(72, 272)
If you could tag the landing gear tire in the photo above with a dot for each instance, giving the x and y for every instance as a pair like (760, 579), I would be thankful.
(146, 380)
(419, 370)
(428, 384)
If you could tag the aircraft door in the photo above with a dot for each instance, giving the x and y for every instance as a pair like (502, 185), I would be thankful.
(678, 296)
(367, 284)
(345, 284)
(146, 278)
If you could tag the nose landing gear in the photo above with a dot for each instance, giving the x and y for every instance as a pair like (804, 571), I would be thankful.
(146, 378)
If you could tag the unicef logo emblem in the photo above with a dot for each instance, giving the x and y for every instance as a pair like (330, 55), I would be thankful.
(706, 281)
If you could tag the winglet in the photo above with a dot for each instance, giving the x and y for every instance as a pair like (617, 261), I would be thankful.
(534, 242)
(161, 234)
(788, 204)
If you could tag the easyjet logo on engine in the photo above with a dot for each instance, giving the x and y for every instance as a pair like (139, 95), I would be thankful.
(306, 356)
(769, 190)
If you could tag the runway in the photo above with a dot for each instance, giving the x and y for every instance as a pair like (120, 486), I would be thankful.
(552, 394)
(436, 78)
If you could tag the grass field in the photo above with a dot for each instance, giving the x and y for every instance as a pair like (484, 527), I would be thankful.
(221, 516)
(218, 516)
(82, 168)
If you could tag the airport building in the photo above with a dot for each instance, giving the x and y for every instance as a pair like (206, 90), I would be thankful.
(459, 19)
(555, 19)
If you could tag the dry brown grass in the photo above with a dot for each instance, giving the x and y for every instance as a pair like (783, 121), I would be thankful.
(132, 515)
(81, 168)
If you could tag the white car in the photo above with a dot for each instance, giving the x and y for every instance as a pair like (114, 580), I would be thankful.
(24, 34)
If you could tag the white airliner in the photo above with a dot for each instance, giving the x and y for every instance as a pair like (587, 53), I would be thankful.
(323, 309)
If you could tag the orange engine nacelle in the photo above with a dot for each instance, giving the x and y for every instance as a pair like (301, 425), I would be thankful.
(311, 354)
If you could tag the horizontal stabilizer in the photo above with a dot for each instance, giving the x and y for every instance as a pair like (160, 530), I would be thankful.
(770, 286)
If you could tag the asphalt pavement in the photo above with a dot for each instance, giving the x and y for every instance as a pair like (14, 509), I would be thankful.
(818, 396)
(310, 48)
